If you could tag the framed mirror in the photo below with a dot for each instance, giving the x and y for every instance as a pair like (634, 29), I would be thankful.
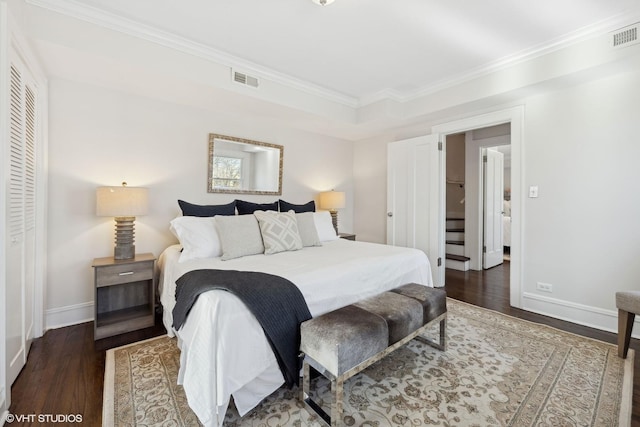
(243, 166)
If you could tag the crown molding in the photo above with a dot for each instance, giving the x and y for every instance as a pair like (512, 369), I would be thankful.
(78, 10)
(583, 34)
(111, 21)
(383, 95)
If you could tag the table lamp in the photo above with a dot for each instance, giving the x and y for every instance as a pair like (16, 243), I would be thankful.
(332, 201)
(124, 204)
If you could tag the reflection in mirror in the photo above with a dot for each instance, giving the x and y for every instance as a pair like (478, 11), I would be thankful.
(243, 166)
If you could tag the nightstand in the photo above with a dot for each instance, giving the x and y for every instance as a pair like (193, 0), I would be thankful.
(124, 295)
(347, 236)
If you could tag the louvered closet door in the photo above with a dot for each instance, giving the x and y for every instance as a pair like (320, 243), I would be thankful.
(20, 274)
(29, 195)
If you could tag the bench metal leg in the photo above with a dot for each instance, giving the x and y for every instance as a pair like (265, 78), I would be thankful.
(337, 403)
(442, 344)
(306, 382)
(336, 395)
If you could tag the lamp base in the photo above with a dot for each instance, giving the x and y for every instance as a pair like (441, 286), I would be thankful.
(124, 252)
(334, 219)
(125, 236)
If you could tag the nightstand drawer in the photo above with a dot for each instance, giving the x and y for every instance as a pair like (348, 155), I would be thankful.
(125, 273)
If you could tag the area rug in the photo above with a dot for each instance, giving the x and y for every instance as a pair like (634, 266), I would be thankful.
(497, 371)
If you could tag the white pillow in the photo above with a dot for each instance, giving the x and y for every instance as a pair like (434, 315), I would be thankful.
(240, 236)
(307, 229)
(279, 231)
(324, 226)
(198, 236)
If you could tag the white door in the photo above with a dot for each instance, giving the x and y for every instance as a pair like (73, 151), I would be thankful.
(20, 214)
(22, 196)
(415, 199)
(493, 196)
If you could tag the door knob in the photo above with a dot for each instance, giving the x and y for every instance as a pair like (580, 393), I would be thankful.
(389, 214)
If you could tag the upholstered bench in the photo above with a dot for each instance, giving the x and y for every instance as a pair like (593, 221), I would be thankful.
(341, 343)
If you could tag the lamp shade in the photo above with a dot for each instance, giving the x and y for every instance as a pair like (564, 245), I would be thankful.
(332, 200)
(121, 201)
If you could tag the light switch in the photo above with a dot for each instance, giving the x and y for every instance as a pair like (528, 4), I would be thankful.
(533, 191)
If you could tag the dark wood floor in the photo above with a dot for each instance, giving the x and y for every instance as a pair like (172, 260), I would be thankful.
(65, 369)
(64, 373)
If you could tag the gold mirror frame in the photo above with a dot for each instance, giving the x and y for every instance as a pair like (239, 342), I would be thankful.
(210, 179)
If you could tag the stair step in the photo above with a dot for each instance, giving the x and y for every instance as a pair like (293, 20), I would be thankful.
(457, 257)
(454, 258)
(454, 235)
(454, 249)
(455, 223)
(453, 264)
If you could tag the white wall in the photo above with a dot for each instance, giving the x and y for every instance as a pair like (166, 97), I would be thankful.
(455, 189)
(370, 184)
(99, 136)
(581, 234)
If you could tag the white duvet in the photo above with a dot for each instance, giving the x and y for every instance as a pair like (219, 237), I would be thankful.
(224, 351)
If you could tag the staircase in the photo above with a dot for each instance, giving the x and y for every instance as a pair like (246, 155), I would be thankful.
(455, 258)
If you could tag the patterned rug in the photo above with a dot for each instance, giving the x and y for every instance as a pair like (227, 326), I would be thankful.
(497, 371)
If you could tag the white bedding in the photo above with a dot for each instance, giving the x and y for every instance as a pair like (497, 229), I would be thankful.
(506, 231)
(224, 351)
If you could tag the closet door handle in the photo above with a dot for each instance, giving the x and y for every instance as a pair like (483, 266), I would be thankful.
(389, 214)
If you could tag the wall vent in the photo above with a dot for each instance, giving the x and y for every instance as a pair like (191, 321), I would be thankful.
(244, 79)
(625, 36)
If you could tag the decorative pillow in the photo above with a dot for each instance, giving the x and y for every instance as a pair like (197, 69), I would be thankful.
(198, 236)
(324, 226)
(307, 229)
(245, 208)
(239, 235)
(307, 207)
(279, 231)
(189, 209)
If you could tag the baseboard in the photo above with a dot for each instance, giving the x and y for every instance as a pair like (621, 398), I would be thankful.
(593, 317)
(69, 315)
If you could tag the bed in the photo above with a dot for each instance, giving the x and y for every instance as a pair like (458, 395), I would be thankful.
(506, 224)
(224, 351)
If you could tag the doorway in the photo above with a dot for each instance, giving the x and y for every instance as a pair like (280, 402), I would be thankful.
(478, 163)
(480, 132)
(502, 209)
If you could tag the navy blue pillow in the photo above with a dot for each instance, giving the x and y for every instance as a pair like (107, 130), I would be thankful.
(245, 208)
(189, 209)
(307, 207)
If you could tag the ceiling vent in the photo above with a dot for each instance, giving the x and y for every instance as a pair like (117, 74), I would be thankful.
(626, 36)
(244, 79)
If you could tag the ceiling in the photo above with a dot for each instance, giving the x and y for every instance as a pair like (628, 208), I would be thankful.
(364, 50)
(352, 70)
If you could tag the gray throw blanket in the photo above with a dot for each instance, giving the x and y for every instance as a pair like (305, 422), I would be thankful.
(277, 303)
